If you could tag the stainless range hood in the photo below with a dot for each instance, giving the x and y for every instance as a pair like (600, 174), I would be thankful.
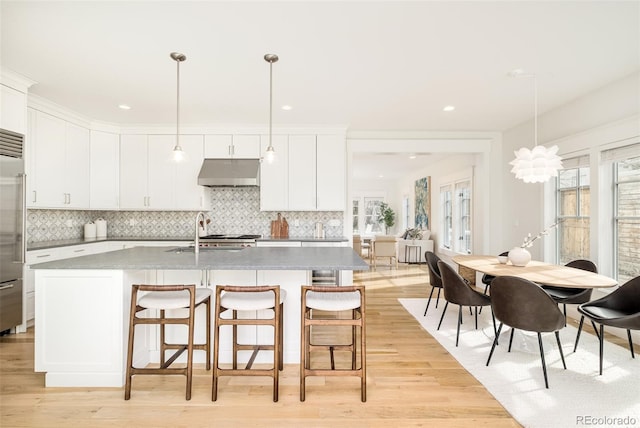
(229, 173)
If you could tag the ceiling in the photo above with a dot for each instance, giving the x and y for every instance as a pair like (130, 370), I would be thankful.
(367, 66)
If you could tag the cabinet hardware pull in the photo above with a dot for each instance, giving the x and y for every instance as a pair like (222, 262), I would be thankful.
(6, 287)
(43, 255)
(35, 196)
(78, 251)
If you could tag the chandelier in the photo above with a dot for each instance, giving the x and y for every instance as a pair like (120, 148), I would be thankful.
(540, 163)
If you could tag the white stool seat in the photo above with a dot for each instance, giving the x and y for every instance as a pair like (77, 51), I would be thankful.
(333, 301)
(239, 301)
(172, 299)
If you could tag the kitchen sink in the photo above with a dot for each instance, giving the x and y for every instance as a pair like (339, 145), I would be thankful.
(205, 249)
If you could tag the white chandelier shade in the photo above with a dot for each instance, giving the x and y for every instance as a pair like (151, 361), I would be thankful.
(537, 165)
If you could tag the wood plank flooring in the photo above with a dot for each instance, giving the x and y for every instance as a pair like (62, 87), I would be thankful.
(412, 382)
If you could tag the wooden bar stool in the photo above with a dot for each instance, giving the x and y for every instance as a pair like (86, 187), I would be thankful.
(333, 299)
(163, 298)
(249, 298)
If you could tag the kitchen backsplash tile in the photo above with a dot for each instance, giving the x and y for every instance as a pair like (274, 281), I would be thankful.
(233, 211)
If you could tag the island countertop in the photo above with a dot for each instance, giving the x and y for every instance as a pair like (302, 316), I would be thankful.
(252, 258)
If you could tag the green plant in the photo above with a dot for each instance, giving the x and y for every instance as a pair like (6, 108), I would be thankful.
(387, 216)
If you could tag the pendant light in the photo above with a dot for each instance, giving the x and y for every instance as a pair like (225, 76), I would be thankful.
(270, 153)
(540, 163)
(178, 155)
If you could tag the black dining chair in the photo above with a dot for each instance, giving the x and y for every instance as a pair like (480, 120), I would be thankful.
(434, 276)
(486, 278)
(573, 296)
(459, 292)
(620, 308)
(523, 305)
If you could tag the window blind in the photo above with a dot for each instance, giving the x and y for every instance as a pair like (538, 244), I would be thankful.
(621, 153)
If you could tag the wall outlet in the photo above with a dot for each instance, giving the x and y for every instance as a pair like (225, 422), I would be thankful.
(132, 222)
(69, 223)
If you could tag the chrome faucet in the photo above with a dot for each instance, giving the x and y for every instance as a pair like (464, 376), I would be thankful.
(197, 236)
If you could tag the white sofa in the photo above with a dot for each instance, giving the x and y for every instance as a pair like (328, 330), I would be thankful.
(425, 245)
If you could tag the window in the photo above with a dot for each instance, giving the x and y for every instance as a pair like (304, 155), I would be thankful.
(573, 202)
(365, 212)
(626, 175)
(463, 217)
(446, 205)
(356, 218)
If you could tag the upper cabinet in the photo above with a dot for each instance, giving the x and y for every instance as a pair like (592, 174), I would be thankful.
(308, 174)
(58, 160)
(104, 171)
(13, 108)
(331, 166)
(226, 146)
(150, 180)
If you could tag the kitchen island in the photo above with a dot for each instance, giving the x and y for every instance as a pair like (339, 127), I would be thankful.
(82, 303)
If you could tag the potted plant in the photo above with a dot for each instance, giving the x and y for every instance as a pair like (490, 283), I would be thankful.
(387, 216)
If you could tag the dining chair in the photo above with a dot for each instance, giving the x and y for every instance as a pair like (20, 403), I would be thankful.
(524, 305)
(620, 308)
(385, 246)
(486, 278)
(458, 292)
(573, 296)
(435, 280)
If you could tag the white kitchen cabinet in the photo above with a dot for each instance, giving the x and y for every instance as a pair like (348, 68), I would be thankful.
(104, 171)
(302, 173)
(58, 163)
(226, 146)
(331, 181)
(13, 110)
(150, 180)
(274, 176)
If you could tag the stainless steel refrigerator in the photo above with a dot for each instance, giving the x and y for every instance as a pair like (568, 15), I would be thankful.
(12, 227)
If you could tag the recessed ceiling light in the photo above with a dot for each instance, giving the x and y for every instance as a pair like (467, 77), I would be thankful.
(449, 108)
(286, 107)
(381, 176)
(412, 156)
(515, 72)
(124, 107)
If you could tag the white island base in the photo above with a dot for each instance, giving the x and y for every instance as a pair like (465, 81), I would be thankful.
(82, 320)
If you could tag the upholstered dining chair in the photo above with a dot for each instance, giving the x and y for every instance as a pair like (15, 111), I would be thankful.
(486, 278)
(435, 280)
(385, 246)
(458, 292)
(573, 296)
(524, 305)
(620, 308)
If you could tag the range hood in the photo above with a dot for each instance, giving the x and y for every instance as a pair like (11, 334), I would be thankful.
(229, 173)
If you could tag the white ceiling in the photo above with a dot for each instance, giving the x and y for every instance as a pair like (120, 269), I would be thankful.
(368, 66)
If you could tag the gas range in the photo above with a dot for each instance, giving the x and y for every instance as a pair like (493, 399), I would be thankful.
(229, 240)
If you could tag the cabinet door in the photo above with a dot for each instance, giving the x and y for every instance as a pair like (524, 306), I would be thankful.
(76, 169)
(246, 147)
(133, 171)
(302, 172)
(48, 161)
(104, 170)
(274, 177)
(162, 172)
(217, 146)
(188, 194)
(13, 110)
(331, 175)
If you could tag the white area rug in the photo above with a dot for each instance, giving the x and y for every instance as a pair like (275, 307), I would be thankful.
(576, 397)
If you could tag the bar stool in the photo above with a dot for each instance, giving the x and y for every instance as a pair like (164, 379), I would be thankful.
(163, 298)
(249, 298)
(333, 299)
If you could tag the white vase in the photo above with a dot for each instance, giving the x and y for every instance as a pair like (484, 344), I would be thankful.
(519, 256)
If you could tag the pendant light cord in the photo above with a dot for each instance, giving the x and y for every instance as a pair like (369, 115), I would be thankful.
(270, 101)
(178, 105)
(535, 110)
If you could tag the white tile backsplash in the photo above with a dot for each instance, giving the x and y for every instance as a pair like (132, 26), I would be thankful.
(233, 211)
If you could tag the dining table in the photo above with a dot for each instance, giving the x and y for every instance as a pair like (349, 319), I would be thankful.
(536, 271)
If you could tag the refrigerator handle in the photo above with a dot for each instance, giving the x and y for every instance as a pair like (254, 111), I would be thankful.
(23, 206)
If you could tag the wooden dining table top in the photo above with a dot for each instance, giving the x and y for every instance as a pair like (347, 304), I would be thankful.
(539, 272)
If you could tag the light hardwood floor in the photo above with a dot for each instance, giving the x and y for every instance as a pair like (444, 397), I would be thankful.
(412, 382)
